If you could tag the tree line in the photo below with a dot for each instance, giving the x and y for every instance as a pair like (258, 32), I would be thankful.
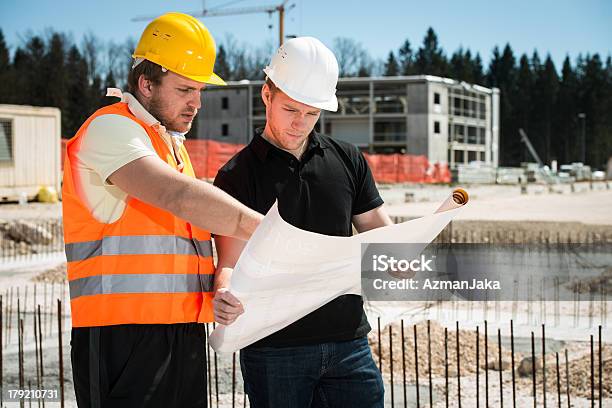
(553, 106)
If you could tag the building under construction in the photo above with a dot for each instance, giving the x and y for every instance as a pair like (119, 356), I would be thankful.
(440, 118)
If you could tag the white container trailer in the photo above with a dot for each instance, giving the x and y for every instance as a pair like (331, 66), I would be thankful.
(30, 149)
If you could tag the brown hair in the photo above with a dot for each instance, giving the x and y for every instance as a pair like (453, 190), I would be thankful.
(272, 86)
(151, 72)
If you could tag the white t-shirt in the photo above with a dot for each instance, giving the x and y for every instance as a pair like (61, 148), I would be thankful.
(111, 142)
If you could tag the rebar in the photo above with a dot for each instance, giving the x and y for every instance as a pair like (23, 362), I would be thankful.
(501, 382)
(391, 365)
(543, 366)
(429, 363)
(446, 364)
(486, 365)
(533, 369)
(512, 354)
(458, 368)
(416, 366)
(404, 364)
(477, 368)
(60, 351)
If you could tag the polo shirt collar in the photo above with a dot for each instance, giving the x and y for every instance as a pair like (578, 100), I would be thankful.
(139, 111)
(262, 147)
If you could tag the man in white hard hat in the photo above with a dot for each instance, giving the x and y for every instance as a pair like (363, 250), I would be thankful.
(322, 185)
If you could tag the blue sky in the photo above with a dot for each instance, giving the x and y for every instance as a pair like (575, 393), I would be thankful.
(560, 27)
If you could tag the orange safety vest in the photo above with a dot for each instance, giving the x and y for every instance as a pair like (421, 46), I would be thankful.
(148, 267)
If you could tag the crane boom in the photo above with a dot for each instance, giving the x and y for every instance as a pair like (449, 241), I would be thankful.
(530, 147)
(272, 8)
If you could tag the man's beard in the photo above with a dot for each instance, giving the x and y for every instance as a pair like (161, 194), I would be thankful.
(156, 107)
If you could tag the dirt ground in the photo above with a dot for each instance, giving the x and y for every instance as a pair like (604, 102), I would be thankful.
(492, 210)
(30, 211)
(487, 202)
(506, 203)
(578, 364)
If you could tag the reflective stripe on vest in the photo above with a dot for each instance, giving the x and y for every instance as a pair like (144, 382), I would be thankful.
(138, 245)
(140, 283)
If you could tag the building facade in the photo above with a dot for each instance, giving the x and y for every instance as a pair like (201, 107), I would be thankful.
(440, 118)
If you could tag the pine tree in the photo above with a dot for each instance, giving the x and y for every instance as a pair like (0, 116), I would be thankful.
(456, 65)
(364, 69)
(20, 79)
(6, 74)
(607, 106)
(536, 64)
(593, 85)
(494, 71)
(477, 70)
(522, 101)
(430, 59)
(109, 81)
(566, 112)
(56, 76)
(406, 59)
(96, 93)
(4, 53)
(29, 66)
(221, 65)
(469, 70)
(546, 88)
(78, 105)
(391, 66)
(607, 150)
(461, 67)
(502, 75)
(502, 69)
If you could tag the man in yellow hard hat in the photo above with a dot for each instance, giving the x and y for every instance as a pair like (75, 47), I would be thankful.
(137, 228)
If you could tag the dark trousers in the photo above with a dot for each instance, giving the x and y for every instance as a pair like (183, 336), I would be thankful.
(334, 375)
(139, 366)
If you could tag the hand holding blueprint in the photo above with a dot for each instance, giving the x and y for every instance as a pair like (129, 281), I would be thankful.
(284, 273)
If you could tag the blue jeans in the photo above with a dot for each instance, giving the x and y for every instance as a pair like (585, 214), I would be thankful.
(334, 375)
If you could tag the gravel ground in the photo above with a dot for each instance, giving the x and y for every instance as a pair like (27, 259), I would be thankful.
(499, 203)
(491, 209)
(578, 352)
(487, 202)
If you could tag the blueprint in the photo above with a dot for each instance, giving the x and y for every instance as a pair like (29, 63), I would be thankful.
(284, 273)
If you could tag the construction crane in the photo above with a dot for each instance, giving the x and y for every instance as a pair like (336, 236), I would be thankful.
(530, 147)
(542, 169)
(219, 11)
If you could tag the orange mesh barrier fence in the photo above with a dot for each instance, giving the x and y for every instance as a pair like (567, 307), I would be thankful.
(208, 156)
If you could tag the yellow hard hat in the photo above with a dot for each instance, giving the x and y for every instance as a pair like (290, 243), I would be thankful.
(47, 194)
(181, 44)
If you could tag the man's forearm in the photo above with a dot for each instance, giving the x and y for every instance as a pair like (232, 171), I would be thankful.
(223, 276)
(214, 210)
(152, 181)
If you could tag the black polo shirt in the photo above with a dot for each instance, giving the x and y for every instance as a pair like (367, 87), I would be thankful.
(319, 193)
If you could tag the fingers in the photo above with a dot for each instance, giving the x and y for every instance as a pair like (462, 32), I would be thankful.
(226, 307)
(225, 319)
(228, 302)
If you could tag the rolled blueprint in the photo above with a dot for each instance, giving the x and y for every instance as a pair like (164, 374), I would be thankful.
(457, 199)
(285, 273)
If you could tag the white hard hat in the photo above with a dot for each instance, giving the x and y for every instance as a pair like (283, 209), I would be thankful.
(307, 71)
